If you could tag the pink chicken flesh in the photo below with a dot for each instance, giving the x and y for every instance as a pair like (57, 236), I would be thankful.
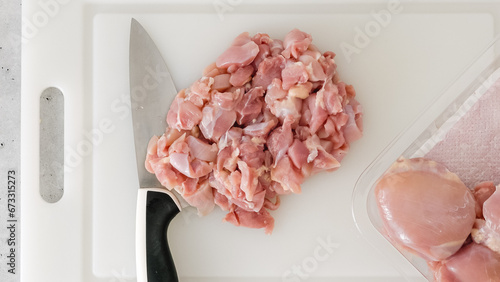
(266, 115)
(425, 208)
(473, 263)
(486, 230)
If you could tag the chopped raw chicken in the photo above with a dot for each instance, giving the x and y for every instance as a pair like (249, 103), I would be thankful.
(260, 219)
(425, 208)
(240, 54)
(183, 114)
(263, 117)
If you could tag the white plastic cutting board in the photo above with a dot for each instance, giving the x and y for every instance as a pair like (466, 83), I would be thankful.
(83, 49)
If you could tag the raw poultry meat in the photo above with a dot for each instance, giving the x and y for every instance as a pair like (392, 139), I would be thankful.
(486, 230)
(425, 208)
(491, 211)
(263, 117)
(472, 263)
(482, 192)
(478, 260)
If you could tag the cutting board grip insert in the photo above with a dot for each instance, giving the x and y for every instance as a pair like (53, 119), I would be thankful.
(52, 144)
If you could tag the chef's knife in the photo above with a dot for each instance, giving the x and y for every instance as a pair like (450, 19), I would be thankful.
(151, 92)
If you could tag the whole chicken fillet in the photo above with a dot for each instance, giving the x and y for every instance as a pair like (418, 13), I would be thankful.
(425, 208)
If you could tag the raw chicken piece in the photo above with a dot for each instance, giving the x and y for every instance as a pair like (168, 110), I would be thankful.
(328, 64)
(473, 263)
(425, 208)
(190, 168)
(295, 43)
(202, 150)
(313, 114)
(321, 160)
(262, 128)
(240, 54)
(285, 174)
(261, 219)
(262, 40)
(354, 127)
(293, 73)
(241, 76)
(216, 121)
(221, 82)
(263, 117)
(269, 69)
(487, 231)
(250, 106)
(482, 192)
(281, 104)
(200, 196)
(313, 67)
(183, 114)
(483, 233)
(279, 141)
(226, 100)
(330, 99)
(491, 210)
(298, 153)
(276, 47)
(200, 91)
(251, 152)
(168, 176)
(249, 180)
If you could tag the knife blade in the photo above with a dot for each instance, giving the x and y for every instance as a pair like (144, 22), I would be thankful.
(151, 93)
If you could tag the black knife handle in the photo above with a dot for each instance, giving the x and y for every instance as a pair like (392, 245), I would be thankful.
(155, 209)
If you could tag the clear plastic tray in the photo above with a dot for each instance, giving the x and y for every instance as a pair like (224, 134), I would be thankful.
(415, 141)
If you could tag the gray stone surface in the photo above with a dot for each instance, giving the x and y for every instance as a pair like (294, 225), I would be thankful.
(10, 107)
